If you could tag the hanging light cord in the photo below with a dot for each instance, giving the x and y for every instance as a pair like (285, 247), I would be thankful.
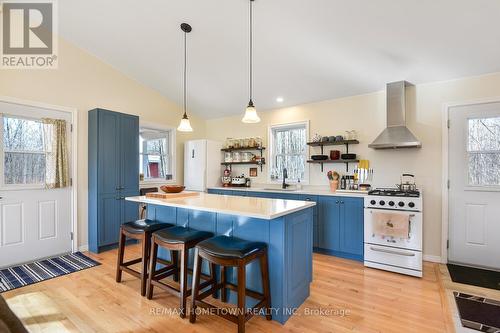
(185, 74)
(251, 49)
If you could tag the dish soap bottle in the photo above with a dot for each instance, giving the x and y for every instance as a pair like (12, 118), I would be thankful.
(343, 183)
(299, 185)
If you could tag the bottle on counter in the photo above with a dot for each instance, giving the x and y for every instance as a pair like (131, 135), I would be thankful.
(343, 183)
(299, 185)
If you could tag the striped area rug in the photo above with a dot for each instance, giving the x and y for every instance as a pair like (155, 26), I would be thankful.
(23, 275)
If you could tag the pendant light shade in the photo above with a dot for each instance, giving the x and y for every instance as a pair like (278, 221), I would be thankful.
(251, 116)
(185, 125)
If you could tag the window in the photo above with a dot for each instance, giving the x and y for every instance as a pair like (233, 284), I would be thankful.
(156, 154)
(288, 150)
(24, 151)
(483, 150)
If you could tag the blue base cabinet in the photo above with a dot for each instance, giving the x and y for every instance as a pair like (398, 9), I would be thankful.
(113, 171)
(338, 221)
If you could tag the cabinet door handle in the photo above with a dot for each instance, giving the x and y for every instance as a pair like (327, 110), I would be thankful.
(337, 202)
(342, 202)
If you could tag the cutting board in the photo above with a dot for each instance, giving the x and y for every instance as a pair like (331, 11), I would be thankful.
(161, 195)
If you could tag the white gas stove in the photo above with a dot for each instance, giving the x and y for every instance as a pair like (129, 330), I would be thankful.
(393, 231)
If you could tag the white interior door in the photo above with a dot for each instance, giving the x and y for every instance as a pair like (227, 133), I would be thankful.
(474, 194)
(34, 222)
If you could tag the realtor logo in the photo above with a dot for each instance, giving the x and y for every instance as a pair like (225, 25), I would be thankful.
(29, 39)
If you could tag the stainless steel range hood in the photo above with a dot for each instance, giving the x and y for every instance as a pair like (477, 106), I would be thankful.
(396, 134)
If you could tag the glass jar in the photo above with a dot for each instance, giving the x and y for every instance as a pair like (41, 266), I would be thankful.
(229, 143)
(251, 142)
(258, 141)
(236, 156)
(242, 143)
(246, 142)
(236, 143)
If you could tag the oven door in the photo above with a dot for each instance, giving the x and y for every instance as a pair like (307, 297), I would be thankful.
(414, 241)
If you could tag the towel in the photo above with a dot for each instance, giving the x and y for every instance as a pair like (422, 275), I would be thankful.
(391, 224)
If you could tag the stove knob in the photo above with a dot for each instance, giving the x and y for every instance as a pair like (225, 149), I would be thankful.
(373, 202)
(381, 202)
(411, 204)
(391, 203)
(401, 204)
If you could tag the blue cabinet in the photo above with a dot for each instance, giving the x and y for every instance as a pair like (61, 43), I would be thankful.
(113, 174)
(337, 221)
(341, 226)
(351, 226)
(329, 223)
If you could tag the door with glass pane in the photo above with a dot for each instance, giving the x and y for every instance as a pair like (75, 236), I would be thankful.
(474, 194)
(35, 221)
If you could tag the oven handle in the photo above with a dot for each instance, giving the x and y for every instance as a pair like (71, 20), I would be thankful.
(396, 212)
(392, 252)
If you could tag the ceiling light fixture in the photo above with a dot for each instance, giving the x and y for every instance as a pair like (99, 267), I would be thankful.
(185, 125)
(279, 99)
(250, 112)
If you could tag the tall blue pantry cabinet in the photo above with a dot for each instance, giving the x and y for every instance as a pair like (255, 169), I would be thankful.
(113, 171)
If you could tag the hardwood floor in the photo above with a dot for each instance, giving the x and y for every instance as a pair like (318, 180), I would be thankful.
(359, 299)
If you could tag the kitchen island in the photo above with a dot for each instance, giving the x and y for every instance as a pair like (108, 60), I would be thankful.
(286, 226)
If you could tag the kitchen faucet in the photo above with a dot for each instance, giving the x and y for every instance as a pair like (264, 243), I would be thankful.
(285, 176)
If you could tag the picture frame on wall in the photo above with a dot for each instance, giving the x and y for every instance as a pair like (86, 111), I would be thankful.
(253, 172)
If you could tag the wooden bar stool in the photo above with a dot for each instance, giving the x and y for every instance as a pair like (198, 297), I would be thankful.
(142, 231)
(230, 251)
(178, 240)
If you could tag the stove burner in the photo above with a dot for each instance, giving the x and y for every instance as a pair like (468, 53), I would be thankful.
(394, 192)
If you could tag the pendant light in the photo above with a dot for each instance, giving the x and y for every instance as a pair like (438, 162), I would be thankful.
(250, 112)
(185, 126)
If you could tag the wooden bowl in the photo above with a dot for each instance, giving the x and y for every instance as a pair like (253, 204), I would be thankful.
(172, 188)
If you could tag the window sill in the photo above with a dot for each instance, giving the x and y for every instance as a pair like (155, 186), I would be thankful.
(157, 181)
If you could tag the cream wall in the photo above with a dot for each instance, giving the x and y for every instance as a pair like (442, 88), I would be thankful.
(366, 114)
(84, 82)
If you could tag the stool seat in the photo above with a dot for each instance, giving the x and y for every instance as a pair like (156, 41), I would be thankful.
(177, 235)
(140, 226)
(230, 247)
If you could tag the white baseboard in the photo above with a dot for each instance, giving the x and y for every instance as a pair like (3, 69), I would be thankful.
(83, 248)
(431, 258)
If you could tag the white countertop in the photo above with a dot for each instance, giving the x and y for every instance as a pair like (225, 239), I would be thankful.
(261, 208)
(305, 191)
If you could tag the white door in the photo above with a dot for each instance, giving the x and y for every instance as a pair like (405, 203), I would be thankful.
(34, 222)
(195, 163)
(474, 194)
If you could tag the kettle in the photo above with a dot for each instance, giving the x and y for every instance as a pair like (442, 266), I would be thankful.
(407, 183)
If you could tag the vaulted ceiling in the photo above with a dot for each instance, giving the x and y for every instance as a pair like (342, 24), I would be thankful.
(305, 50)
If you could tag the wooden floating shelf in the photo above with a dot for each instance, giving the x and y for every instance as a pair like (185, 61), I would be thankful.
(333, 143)
(240, 149)
(232, 163)
(332, 161)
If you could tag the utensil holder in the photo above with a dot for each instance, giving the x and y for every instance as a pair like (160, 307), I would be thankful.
(334, 185)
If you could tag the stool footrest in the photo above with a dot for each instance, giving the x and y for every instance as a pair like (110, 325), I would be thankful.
(130, 271)
(222, 314)
(248, 292)
(132, 262)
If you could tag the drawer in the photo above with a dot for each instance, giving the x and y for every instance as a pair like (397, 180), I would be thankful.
(393, 256)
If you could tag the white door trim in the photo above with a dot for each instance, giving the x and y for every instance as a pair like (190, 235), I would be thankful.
(74, 158)
(445, 156)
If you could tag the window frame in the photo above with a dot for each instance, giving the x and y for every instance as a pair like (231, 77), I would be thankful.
(271, 154)
(172, 146)
(3, 185)
(468, 153)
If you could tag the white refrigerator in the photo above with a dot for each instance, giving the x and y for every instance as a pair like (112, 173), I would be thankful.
(202, 164)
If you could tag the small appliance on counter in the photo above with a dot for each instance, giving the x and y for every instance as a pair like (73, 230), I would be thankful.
(238, 181)
(393, 230)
